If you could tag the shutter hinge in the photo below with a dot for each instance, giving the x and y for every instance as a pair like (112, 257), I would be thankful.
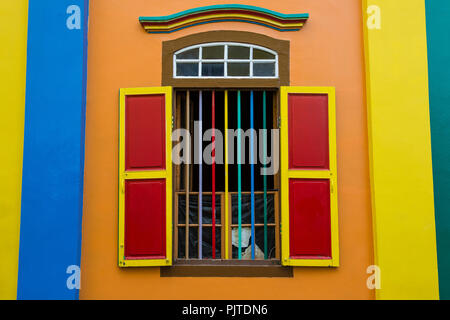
(172, 122)
(279, 122)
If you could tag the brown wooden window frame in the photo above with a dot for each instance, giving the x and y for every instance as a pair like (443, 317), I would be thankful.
(224, 268)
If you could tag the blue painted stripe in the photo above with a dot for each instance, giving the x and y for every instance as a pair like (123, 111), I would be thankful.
(53, 161)
(200, 178)
(226, 7)
(224, 20)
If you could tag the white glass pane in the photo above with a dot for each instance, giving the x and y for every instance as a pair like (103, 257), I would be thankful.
(187, 69)
(238, 69)
(212, 69)
(260, 54)
(264, 69)
(213, 52)
(238, 52)
(190, 54)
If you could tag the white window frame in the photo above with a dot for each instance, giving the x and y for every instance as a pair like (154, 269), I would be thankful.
(225, 61)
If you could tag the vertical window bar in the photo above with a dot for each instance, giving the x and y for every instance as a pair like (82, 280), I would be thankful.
(186, 174)
(239, 175)
(226, 177)
(252, 171)
(200, 176)
(266, 255)
(213, 185)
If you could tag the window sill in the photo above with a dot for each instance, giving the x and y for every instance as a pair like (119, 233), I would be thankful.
(227, 268)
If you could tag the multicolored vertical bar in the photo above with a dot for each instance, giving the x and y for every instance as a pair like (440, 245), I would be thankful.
(187, 173)
(200, 177)
(252, 175)
(226, 220)
(213, 183)
(239, 174)
(266, 253)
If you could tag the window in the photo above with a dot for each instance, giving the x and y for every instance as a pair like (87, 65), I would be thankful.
(234, 214)
(225, 60)
(246, 201)
(221, 218)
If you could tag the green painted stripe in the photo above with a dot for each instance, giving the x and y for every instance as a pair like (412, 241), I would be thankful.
(225, 7)
(266, 255)
(437, 15)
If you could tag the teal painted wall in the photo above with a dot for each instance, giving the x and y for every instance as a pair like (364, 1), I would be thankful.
(438, 33)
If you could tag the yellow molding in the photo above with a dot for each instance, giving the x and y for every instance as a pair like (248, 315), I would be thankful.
(157, 174)
(286, 174)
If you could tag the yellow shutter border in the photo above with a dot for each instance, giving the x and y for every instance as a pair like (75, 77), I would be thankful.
(154, 174)
(286, 174)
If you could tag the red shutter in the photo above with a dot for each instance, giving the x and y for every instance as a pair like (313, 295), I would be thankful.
(145, 225)
(308, 176)
(145, 177)
(308, 131)
(309, 205)
(145, 132)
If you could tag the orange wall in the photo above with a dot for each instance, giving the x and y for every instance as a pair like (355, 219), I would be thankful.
(327, 52)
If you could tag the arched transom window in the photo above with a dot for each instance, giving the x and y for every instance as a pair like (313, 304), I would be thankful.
(225, 60)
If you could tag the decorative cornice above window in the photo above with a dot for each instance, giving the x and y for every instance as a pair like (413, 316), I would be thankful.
(224, 13)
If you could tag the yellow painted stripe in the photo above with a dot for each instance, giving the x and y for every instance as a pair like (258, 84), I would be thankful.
(228, 16)
(13, 55)
(400, 149)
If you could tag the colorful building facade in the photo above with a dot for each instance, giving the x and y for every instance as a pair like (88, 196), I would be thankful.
(347, 101)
